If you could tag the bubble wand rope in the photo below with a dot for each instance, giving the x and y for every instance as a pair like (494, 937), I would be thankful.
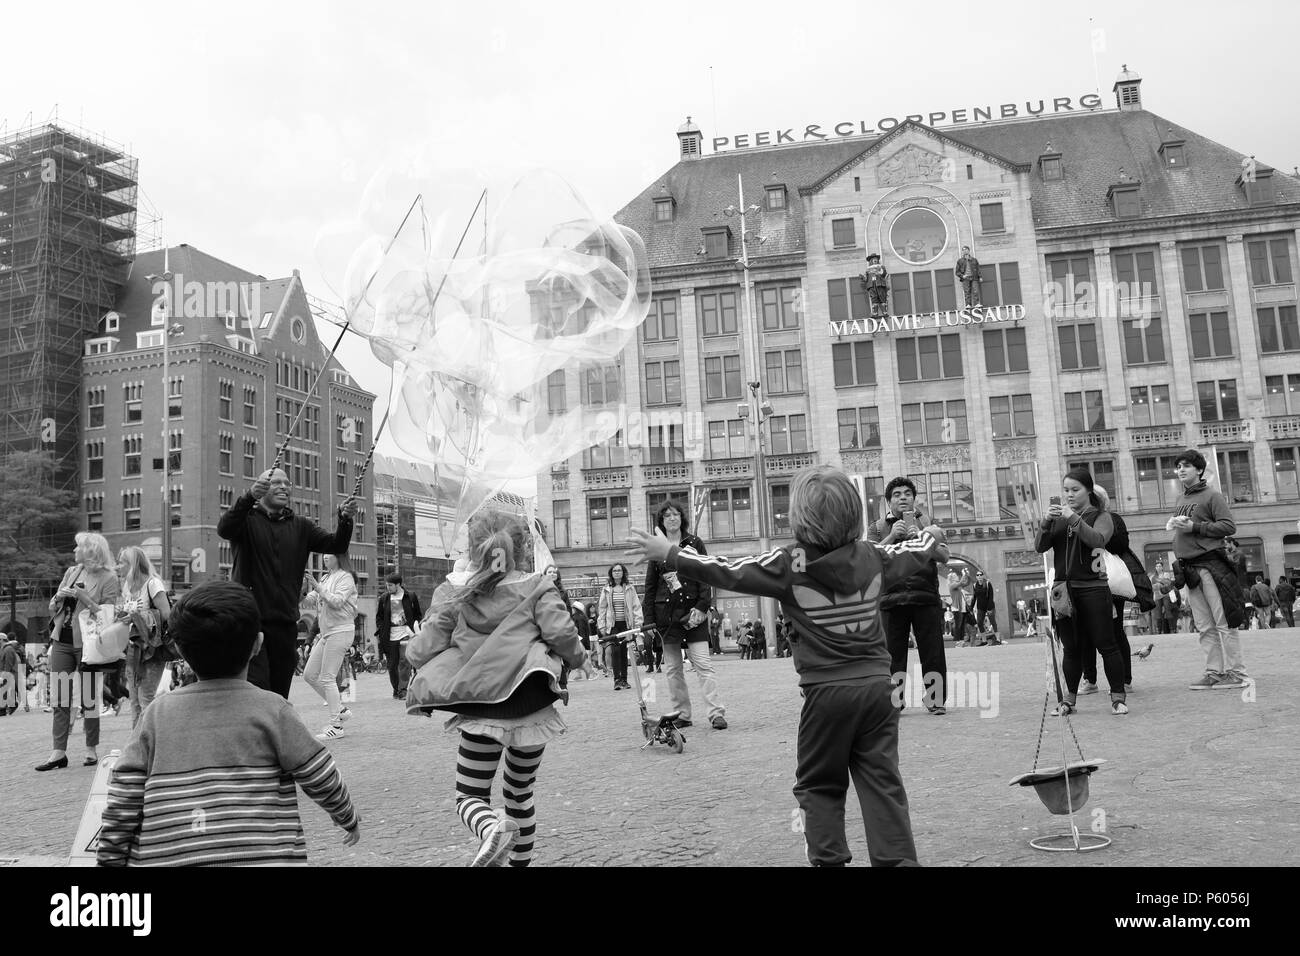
(279, 453)
(365, 465)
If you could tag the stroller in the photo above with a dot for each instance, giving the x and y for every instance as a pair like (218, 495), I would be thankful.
(656, 730)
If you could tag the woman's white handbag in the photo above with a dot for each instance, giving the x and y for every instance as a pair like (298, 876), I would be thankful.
(1118, 576)
(103, 639)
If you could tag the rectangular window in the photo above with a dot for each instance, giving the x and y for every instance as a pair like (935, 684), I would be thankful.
(95, 407)
(1012, 415)
(250, 406)
(1005, 351)
(789, 434)
(1078, 341)
(1270, 261)
(131, 510)
(132, 446)
(1282, 394)
(1135, 274)
(560, 519)
(1006, 496)
(1051, 168)
(133, 403)
(224, 459)
(1143, 342)
(784, 372)
(776, 305)
(854, 363)
(1128, 203)
(929, 357)
(600, 385)
(665, 444)
(859, 427)
(775, 198)
(1236, 476)
(913, 433)
(717, 311)
(174, 445)
(1285, 461)
(557, 391)
(175, 408)
(991, 217)
(730, 513)
(843, 233)
(722, 377)
(1202, 269)
(610, 454)
(95, 460)
(661, 321)
(781, 509)
(716, 244)
(1211, 336)
(1071, 276)
(1278, 329)
(1084, 411)
(95, 512)
(663, 210)
(1218, 400)
(250, 457)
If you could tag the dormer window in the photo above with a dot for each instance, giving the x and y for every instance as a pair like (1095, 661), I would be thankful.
(1257, 183)
(1174, 154)
(664, 210)
(716, 242)
(1125, 200)
(1049, 164)
(776, 197)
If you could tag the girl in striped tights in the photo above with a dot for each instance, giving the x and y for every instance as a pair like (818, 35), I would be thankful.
(490, 651)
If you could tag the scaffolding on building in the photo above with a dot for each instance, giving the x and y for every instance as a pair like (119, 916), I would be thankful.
(67, 236)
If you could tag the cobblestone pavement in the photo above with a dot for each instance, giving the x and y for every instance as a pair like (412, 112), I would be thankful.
(1192, 778)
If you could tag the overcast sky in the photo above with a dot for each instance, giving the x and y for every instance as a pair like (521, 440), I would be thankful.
(257, 123)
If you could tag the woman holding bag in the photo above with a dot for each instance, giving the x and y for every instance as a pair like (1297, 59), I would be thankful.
(144, 598)
(1082, 608)
(87, 584)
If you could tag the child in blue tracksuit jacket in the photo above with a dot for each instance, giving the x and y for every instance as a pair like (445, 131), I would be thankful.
(829, 584)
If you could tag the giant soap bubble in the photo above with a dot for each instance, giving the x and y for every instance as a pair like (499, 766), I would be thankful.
(473, 315)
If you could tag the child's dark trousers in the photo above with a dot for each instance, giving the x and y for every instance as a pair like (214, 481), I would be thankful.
(850, 729)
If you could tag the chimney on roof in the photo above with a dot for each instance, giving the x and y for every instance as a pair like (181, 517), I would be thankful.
(691, 140)
(1128, 90)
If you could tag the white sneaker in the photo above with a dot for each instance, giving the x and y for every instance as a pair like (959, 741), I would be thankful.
(496, 846)
(1088, 688)
(343, 715)
(108, 712)
(332, 732)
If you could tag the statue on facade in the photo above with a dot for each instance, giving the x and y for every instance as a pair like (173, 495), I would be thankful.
(876, 281)
(968, 274)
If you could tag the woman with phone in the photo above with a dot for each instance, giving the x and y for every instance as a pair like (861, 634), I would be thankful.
(91, 582)
(1082, 611)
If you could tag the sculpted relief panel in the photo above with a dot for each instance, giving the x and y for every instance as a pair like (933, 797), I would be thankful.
(913, 164)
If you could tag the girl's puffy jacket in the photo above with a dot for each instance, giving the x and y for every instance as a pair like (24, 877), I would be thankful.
(480, 651)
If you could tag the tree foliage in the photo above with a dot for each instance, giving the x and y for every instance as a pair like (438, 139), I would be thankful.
(36, 519)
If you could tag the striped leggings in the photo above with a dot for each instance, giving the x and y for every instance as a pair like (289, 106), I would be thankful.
(476, 766)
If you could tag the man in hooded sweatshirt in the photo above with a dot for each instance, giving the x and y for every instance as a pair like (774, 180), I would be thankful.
(1200, 525)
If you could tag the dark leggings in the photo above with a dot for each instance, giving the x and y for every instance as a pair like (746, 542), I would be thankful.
(618, 654)
(1090, 626)
(1121, 640)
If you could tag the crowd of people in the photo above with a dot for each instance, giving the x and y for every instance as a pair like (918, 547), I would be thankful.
(494, 650)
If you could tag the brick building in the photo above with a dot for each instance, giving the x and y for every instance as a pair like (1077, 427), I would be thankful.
(242, 356)
(1142, 285)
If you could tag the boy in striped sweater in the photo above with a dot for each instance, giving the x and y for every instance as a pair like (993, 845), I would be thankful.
(829, 584)
(210, 777)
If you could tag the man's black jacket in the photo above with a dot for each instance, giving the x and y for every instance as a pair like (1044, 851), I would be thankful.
(271, 554)
(384, 617)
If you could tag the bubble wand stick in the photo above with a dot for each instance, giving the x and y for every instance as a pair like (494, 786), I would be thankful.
(279, 453)
(365, 465)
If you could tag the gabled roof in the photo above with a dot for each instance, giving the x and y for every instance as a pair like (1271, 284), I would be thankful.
(1094, 145)
(880, 143)
(704, 187)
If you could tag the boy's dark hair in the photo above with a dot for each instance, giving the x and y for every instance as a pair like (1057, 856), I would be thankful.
(1193, 458)
(392, 577)
(899, 482)
(680, 508)
(215, 627)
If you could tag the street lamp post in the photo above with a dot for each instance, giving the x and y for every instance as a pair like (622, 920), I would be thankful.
(755, 409)
(168, 330)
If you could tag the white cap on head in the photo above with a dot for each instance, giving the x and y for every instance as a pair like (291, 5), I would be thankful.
(1102, 495)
